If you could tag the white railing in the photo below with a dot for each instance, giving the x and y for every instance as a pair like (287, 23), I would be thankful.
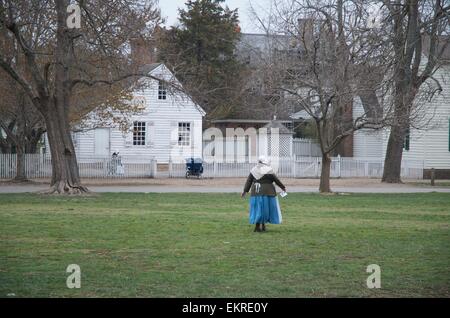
(36, 166)
(306, 167)
(121, 167)
(40, 166)
(213, 169)
(300, 147)
(305, 147)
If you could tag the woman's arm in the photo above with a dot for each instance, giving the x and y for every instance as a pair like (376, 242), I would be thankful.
(278, 182)
(248, 183)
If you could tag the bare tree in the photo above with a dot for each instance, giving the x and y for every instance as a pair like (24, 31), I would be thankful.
(414, 28)
(327, 64)
(56, 60)
(23, 126)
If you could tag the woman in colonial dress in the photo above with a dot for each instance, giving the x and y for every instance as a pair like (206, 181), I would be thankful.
(264, 206)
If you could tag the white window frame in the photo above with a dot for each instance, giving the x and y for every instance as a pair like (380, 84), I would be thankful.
(139, 133)
(184, 130)
(162, 91)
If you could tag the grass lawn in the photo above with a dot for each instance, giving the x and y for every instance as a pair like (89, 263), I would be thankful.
(201, 245)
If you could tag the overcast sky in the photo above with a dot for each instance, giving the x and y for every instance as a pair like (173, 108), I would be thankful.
(169, 10)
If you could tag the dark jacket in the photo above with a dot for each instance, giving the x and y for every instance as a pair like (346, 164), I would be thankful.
(265, 186)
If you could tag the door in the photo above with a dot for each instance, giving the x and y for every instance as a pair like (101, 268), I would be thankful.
(101, 142)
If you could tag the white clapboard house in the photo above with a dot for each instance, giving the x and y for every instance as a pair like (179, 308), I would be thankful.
(428, 146)
(168, 128)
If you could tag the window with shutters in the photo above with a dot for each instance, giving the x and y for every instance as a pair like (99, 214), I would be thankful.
(139, 133)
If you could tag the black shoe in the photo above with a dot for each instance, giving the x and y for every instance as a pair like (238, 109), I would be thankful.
(263, 227)
(257, 228)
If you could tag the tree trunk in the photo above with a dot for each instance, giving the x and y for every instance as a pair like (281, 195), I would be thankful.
(325, 174)
(65, 176)
(393, 159)
(33, 139)
(394, 151)
(20, 164)
(404, 94)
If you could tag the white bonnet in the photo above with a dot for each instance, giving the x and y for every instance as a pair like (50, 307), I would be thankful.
(263, 159)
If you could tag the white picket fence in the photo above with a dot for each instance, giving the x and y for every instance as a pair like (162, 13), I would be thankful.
(305, 147)
(300, 147)
(305, 167)
(40, 166)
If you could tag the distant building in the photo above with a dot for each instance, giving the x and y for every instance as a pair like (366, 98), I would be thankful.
(169, 126)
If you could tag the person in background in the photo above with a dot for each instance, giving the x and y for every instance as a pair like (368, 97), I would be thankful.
(264, 205)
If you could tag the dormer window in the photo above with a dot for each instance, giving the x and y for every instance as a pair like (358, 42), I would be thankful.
(162, 90)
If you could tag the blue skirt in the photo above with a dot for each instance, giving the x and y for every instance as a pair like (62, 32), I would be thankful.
(265, 209)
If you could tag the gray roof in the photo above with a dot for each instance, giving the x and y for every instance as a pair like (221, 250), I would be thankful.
(253, 48)
(147, 68)
(262, 42)
(303, 114)
(278, 124)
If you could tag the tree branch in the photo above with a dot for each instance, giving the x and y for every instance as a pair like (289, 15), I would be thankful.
(19, 79)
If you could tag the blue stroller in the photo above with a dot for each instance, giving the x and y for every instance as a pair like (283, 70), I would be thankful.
(194, 167)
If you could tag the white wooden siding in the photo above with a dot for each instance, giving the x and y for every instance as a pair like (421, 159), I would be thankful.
(436, 148)
(367, 143)
(161, 118)
(85, 143)
(431, 145)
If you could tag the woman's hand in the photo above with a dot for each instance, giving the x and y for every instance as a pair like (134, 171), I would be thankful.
(243, 194)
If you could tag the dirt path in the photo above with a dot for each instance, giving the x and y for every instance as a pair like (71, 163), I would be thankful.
(228, 185)
(208, 182)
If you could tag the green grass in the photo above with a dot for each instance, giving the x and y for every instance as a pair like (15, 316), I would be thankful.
(201, 245)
